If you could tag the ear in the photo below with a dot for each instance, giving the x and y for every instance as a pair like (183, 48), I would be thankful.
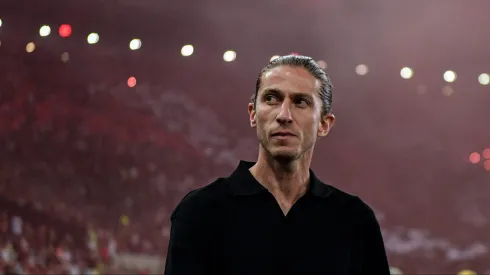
(251, 113)
(326, 123)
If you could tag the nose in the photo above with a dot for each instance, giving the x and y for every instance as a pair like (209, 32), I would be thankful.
(284, 116)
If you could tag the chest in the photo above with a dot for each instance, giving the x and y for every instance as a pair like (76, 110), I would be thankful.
(284, 205)
(307, 239)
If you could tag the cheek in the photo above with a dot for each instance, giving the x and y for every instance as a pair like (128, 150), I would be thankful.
(311, 128)
(263, 118)
(261, 125)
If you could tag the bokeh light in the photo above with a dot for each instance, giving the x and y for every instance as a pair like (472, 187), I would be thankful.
(1, 22)
(362, 69)
(124, 220)
(131, 82)
(274, 57)
(486, 165)
(135, 44)
(484, 79)
(322, 64)
(447, 90)
(467, 272)
(187, 50)
(475, 157)
(65, 57)
(450, 76)
(44, 31)
(65, 30)
(229, 56)
(486, 153)
(406, 73)
(30, 47)
(93, 38)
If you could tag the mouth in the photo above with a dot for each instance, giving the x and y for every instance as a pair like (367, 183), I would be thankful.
(282, 135)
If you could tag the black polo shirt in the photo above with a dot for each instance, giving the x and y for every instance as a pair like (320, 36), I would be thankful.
(235, 226)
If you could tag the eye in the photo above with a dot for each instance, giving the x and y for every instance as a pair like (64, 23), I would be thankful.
(271, 99)
(302, 102)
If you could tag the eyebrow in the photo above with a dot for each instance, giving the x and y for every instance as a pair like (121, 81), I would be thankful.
(272, 91)
(279, 92)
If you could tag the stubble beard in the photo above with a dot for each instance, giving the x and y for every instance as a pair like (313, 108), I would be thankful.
(284, 158)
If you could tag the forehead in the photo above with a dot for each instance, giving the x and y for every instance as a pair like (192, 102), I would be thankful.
(290, 79)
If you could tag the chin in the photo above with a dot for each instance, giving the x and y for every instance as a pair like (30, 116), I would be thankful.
(285, 156)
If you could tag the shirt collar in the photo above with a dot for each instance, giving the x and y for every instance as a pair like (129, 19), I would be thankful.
(244, 183)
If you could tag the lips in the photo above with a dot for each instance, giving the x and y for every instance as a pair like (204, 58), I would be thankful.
(283, 134)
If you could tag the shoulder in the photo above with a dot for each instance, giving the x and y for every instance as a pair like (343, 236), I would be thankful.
(202, 201)
(351, 205)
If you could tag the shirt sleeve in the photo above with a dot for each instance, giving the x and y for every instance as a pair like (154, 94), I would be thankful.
(373, 252)
(189, 251)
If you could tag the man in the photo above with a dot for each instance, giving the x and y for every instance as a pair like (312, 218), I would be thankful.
(275, 216)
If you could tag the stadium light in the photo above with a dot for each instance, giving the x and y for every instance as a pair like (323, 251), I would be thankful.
(187, 50)
(229, 56)
(93, 38)
(450, 76)
(45, 30)
(131, 82)
(486, 153)
(30, 47)
(65, 30)
(475, 157)
(486, 165)
(135, 44)
(362, 69)
(484, 79)
(406, 73)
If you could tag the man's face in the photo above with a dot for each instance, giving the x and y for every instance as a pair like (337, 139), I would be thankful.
(288, 113)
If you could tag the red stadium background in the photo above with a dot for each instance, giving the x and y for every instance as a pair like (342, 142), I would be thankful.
(111, 111)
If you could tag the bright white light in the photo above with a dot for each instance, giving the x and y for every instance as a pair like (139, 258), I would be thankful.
(229, 56)
(44, 30)
(1, 22)
(93, 38)
(30, 47)
(450, 76)
(322, 64)
(406, 73)
(361, 69)
(274, 57)
(187, 50)
(484, 79)
(135, 44)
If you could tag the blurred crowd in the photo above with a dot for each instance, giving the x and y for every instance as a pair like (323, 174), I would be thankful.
(85, 175)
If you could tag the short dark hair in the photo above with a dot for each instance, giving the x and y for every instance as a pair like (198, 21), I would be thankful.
(308, 64)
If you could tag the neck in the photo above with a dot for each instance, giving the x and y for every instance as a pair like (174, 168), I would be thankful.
(286, 180)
